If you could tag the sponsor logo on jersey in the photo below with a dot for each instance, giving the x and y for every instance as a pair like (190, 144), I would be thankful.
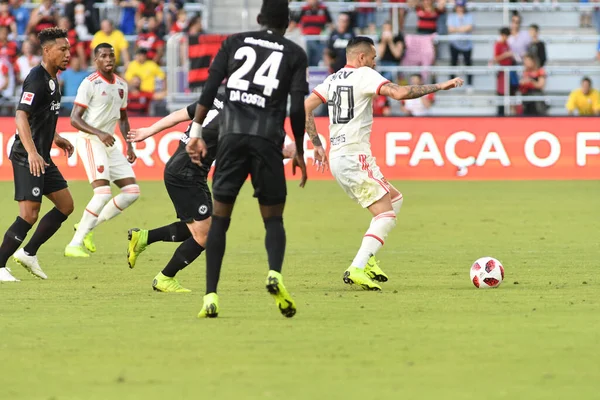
(121, 93)
(55, 106)
(27, 98)
(263, 43)
(52, 86)
(203, 209)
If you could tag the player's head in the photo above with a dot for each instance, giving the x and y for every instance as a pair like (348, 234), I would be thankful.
(104, 58)
(275, 15)
(360, 52)
(56, 50)
(416, 79)
(586, 85)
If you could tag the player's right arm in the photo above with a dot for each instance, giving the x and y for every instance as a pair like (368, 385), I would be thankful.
(398, 92)
(320, 156)
(82, 102)
(31, 98)
(176, 117)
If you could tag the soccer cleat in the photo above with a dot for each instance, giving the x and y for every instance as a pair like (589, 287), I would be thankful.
(75, 251)
(374, 272)
(6, 276)
(166, 284)
(284, 301)
(210, 308)
(358, 276)
(30, 263)
(88, 241)
(138, 241)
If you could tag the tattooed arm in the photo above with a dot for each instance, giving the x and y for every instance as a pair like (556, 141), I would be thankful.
(397, 92)
(320, 157)
(311, 130)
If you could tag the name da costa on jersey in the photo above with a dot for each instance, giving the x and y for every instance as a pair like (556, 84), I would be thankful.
(266, 75)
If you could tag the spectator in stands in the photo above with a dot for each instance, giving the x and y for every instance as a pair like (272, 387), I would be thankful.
(149, 8)
(313, 19)
(339, 40)
(27, 61)
(585, 16)
(537, 48)
(35, 42)
(7, 79)
(461, 22)
(417, 107)
(518, 40)
(504, 56)
(77, 46)
(381, 106)
(294, 34)
(391, 50)
(401, 14)
(8, 20)
(45, 16)
(585, 100)
(69, 81)
(138, 101)
(532, 83)
(428, 15)
(329, 59)
(8, 48)
(171, 10)
(108, 34)
(147, 70)
(149, 39)
(21, 15)
(128, 11)
(366, 17)
(181, 23)
(84, 17)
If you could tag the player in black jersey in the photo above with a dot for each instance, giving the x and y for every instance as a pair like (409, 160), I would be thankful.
(35, 174)
(189, 192)
(262, 69)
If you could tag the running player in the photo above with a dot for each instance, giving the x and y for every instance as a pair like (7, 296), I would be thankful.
(189, 192)
(101, 101)
(35, 174)
(263, 68)
(349, 93)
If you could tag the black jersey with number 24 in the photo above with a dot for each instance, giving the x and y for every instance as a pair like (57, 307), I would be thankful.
(262, 69)
(41, 100)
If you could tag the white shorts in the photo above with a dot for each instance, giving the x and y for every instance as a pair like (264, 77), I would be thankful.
(101, 162)
(360, 177)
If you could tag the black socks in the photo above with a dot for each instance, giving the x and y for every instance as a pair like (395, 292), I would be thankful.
(46, 228)
(275, 241)
(215, 245)
(176, 232)
(13, 238)
(185, 254)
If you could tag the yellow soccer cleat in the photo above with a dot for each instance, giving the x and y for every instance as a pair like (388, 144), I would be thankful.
(210, 308)
(76, 251)
(284, 301)
(138, 241)
(357, 276)
(374, 272)
(166, 284)
(88, 240)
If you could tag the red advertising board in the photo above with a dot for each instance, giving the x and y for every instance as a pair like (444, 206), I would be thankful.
(407, 148)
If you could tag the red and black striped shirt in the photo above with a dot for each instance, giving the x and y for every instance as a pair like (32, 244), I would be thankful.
(138, 103)
(313, 20)
(427, 20)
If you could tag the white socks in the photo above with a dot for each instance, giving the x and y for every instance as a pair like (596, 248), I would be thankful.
(381, 226)
(89, 219)
(129, 194)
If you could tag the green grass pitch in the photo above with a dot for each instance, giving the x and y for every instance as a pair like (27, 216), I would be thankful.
(96, 330)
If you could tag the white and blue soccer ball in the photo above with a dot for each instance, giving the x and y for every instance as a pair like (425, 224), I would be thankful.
(487, 272)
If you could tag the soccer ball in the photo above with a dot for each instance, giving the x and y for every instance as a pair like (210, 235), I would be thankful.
(487, 272)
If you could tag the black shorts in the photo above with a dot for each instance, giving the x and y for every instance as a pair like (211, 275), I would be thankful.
(241, 155)
(29, 187)
(191, 198)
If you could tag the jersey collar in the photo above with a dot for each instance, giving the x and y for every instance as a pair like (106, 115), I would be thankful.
(349, 66)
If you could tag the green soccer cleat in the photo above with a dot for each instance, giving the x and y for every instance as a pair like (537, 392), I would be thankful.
(284, 301)
(138, 241)
(374, 272)
(166, 284)
(210, 308)
(76, 251)
(357, 276)
(88, 240)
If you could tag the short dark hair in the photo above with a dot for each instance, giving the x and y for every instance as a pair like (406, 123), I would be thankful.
(586, 79)
(275, 14)
(51, 34)
(359, 41)
(102, 46)
(505, 31)
(142, 50)
(535, 27)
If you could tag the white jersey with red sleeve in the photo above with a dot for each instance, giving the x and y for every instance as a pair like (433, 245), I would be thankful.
(103, 101)
(349, 94)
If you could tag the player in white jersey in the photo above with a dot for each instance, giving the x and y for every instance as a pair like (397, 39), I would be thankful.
(349, 94)
(101, 101)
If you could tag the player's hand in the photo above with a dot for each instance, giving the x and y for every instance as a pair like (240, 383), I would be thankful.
(138, 135)
(452, 84)
(108, 140)
(320, 159)
(131, 157)
(289, 151)
(65, 145)
(37, 165)
(299, 163)
(196, 148)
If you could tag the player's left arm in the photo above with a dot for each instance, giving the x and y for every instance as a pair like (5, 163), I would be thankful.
(398, 92)
(320, 156)
(63, 144)
(125, 128)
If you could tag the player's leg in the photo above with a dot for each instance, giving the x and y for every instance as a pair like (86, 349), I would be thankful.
(28, 192)
(231, 170)
(139, 239)
(95, 161)
(56, 190)
(268, 179)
